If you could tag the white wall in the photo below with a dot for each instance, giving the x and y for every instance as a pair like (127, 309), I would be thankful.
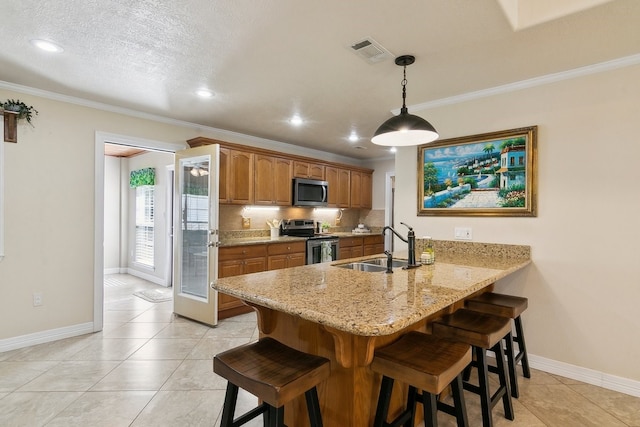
(112, 214)
(584, 284)
(380, 169)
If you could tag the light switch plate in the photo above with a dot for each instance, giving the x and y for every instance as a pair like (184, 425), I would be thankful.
(463, 233)
(246, 223)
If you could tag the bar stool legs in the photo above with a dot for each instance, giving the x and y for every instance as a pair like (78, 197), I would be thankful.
(427, 363)
(512, 307)
(521, 357)
(275, 374)
(483, 332)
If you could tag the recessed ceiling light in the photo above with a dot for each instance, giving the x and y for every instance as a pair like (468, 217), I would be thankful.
(296, 120)
(47, 45)
(393, 149)
(353, 137)
(204, 93)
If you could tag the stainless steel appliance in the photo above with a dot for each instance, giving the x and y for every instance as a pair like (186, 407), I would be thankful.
(320, 247)
(310, 192)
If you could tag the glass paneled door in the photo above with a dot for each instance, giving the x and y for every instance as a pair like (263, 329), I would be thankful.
(195, 265)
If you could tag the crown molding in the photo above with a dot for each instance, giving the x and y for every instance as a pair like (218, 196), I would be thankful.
(601, 67)
(223, 134)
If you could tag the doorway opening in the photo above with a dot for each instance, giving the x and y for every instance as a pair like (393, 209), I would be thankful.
(113, 251)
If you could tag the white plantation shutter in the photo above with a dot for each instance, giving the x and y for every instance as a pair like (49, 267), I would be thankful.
(143, 253)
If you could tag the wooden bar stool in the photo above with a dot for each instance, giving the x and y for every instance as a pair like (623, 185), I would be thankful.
(483, 332)
(275, 374)
(512, 307)
(427, 363)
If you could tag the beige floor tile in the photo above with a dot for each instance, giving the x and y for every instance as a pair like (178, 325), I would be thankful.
(31, 409)
(232, 330)
(138, 375)
(182, 408)
(170, 348)
(110, 349)
(559, 405)
(133, 304)
(97, 409)
(622, 406)
(195, 375)
(16, 374)
(183, 330)
(155, 316)
(57, 350)
(136, 330)
(209, 347)
(71, 376)
(120, 316)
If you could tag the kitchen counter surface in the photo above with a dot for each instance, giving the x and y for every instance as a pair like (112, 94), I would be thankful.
(374, 304)
(241, 241)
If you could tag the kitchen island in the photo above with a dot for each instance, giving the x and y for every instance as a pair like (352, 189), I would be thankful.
(344, 315)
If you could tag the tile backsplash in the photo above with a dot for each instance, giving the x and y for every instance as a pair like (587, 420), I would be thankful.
(231, 217)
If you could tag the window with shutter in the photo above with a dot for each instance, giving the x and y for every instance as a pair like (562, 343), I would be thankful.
(144, 249)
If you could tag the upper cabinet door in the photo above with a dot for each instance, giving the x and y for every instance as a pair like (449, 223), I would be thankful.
(236, 177)
(308, 170)
(272, 180)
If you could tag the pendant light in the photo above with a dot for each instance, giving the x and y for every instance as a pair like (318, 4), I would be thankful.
(404, 129)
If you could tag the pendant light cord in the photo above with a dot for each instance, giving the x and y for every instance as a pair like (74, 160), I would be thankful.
(404, 110)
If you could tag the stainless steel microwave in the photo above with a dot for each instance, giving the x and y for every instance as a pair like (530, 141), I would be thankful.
(310, 192)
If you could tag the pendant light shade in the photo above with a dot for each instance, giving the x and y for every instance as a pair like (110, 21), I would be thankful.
(404, 129)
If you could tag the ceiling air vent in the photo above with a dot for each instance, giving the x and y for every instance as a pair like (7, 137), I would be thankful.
(370, 50)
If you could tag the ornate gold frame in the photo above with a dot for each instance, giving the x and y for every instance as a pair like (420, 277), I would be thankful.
(516, 167)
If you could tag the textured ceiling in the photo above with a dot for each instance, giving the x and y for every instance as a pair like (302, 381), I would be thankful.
(266, 60)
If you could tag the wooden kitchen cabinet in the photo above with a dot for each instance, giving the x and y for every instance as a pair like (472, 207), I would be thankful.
(367, 190)
(339, 186)
(285, 255)
(272, 180)
(350, 247)
(373, 245)
(308, 170)
(361, 188)
(236, 177)
(355, 189)
(234, 261)
(250, 175)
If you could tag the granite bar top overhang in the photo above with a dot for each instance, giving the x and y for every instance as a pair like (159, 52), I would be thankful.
(373, 304)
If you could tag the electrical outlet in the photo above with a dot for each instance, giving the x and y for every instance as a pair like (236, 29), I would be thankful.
(37, 299)
(246, 222)
(463, 233)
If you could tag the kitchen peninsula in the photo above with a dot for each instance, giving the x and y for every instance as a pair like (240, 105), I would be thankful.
(343, 315)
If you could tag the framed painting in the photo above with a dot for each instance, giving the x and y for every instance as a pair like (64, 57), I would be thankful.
(491, 174)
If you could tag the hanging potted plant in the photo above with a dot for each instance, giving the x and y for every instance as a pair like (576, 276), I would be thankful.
(23, 110)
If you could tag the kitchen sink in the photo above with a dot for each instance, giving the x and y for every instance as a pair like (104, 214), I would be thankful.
(373, 265)
(383, 262)
(361, 266)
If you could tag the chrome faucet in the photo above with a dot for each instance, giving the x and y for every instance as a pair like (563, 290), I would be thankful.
(410, 240)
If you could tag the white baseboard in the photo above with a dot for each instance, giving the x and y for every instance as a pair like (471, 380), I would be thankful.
(148, 277)
(115, 270)
(45, 336)
(589, 376)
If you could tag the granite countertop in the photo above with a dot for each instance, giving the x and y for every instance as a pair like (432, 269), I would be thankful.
(242, 241)
(257, 240)
(371, 304)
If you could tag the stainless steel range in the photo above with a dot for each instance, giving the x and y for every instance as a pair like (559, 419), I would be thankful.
(320, 247)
